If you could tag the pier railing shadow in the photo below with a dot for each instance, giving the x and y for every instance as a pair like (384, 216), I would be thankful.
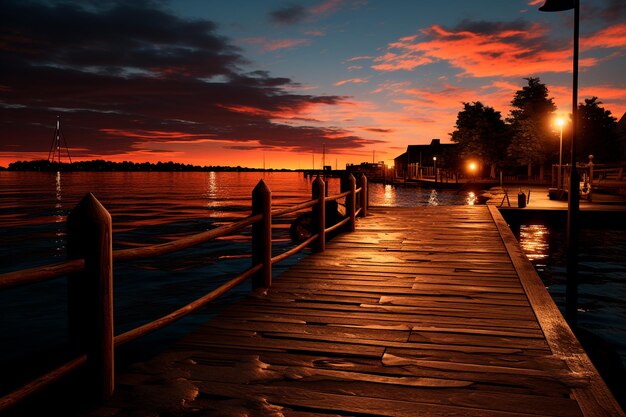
(89, 270)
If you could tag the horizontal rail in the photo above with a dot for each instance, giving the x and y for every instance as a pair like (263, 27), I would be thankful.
(294, 250)
(46, 272)
(337, 196)
(292, 209)
(183, 311)
(40, 273)
(38, 384)
(183, 243)
(337, 225)
(309, 203)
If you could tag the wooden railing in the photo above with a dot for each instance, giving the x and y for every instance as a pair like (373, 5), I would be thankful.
(89, 269)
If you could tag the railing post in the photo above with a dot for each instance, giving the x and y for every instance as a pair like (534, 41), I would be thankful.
(348, 183)
(90, 294)
(364, 196)
(262, 235)
(319, 213)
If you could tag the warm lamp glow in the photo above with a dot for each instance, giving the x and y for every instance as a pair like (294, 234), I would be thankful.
(472, 166)
(434, 158)
(560, 122)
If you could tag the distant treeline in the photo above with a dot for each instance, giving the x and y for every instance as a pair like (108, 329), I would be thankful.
(101, 165)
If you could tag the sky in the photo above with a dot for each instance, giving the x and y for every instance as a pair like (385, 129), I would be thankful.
(249, 82)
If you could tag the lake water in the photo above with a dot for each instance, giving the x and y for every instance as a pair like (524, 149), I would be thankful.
(154, 207)
(601, 311)
(146, 208)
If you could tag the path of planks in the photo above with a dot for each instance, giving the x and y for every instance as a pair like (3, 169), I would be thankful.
(430, 311)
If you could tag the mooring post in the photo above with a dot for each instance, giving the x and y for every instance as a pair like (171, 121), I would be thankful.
(348, 183)
(262, 235)
(364, 195)
(90, 294)
(319, 213)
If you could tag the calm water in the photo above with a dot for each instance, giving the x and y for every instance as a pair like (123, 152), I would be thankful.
(150, 208)
(147, 208)
(602, 276)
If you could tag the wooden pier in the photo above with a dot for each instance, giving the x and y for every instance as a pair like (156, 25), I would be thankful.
(430, 311)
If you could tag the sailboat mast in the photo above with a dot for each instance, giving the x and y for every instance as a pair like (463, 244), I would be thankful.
(54, 155)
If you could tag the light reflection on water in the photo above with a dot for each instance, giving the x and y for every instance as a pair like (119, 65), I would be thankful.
(601, 276)
(471, 199)
(59, 219)
(433, 200)
(534, 241)
(389, 195)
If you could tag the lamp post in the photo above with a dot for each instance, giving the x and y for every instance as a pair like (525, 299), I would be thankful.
(560, 122)
(571, 291)
(435, 168)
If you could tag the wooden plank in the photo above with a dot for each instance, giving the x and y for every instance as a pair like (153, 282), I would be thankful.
(313, 400)
(419, 312)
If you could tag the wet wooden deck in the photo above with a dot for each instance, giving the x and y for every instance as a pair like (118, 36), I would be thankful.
(431, 311)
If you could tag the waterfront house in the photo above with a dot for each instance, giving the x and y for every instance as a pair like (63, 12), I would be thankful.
(421, 161)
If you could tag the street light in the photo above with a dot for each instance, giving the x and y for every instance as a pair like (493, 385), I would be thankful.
(435, 167)
(560, 122)
(571, 291)
(472, 168)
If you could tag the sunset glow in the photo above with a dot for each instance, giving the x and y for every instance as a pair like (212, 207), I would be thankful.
(210, 83)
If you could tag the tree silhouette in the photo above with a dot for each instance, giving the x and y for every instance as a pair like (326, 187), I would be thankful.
(533, 137)
(597, 133)
(481, 134)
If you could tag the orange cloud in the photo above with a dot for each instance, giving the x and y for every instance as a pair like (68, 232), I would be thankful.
(269, 45)
(613, 98)
(493, 51)
(352, 80)
(156, 134)
(359, 58)
(326, 7)
(610, 37)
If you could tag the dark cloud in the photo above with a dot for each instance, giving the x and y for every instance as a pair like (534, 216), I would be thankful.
(378, 130)
(117, 68)
(289, 15)
(492, 27)
(610, 11)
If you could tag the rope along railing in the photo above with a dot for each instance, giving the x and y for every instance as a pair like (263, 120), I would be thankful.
(89, 270)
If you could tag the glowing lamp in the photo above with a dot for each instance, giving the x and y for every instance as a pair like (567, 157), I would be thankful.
(472, 166)
(560, 122)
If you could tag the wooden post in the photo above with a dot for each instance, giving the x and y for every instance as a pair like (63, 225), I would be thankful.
(364, 194)
(348, 183)
(90, 294)
(319, 213)
(262, 235)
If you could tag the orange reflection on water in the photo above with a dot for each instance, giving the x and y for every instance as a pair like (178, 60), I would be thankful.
(390, 196)
(471, 198)
(534, 241)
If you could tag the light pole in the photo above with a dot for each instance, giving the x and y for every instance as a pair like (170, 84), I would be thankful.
(560, 122)
(573, 195)
(435, 168)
